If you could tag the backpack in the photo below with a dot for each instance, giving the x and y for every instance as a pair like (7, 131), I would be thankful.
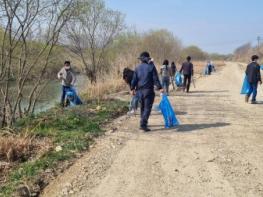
(128, 75)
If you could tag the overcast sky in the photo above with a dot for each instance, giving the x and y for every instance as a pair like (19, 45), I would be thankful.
(214, 25)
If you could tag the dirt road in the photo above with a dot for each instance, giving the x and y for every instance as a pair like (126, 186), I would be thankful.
(217, 150)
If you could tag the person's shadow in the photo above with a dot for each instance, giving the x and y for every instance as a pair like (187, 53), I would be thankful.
(194, 127)
(191, 127)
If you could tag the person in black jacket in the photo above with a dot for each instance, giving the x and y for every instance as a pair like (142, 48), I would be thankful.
(254, 78)
(188, 72)
(144, 79)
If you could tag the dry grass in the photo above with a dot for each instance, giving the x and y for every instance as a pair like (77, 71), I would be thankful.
(103, 88)
(115, 83)
(16, 148)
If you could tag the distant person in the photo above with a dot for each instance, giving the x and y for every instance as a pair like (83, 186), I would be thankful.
(144, 79)
(127, 77)
(68, 77)
(188, 72)
(165, 75)
(254, 78)
(209, 68)
(172, 74)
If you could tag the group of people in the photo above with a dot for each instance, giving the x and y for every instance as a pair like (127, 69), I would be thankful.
(145, 78)
(168, 73)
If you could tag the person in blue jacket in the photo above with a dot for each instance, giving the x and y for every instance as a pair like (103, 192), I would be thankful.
(144, 79)
(254, 78)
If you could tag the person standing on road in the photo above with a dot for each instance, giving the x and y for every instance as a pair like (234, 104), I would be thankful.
(144, 79)
(254, 78)
(165, 74)
(188, 72)
(209, 67)
(172, 74)
(68, 77)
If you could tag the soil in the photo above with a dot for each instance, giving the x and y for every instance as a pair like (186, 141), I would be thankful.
(216, 151)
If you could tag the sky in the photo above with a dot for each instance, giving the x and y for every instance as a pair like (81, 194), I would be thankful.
(214, 25)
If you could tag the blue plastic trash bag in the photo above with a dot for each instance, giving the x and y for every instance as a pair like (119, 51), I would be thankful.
(261, 67)
(245, 86)
(178, 79)
(205, 70)
(168, 113)
(156, 108)
(72, 97)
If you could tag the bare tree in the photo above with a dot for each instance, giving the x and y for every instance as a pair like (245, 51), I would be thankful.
(162, 44)
(243, 52)
(18, 58)
(90, 33)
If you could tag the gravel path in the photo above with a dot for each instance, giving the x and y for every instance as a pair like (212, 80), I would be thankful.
(217, 150)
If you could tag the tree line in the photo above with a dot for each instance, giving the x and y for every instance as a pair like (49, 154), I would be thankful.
(245, 51)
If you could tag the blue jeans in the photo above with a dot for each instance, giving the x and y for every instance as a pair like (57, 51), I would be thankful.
(63, 95)
(253, 90)
(166, 83)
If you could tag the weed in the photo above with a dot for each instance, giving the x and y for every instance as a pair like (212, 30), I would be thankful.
(71, 129)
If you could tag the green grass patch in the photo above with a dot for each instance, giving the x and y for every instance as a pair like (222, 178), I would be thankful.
(72, 129)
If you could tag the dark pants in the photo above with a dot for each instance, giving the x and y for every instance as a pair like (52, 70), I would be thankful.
(63, 95)
(147, 99)
(166, 83)
(253, 90)
(187, 82)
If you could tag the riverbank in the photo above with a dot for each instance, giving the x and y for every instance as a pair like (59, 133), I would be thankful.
(41, 147)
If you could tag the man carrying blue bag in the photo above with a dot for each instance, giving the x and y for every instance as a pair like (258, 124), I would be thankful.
(254, 78)
(168, 112)
(144, 79)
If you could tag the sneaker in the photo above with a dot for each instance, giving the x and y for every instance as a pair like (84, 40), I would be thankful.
(145, 129)
(246, 99)
(253, 102)
(131, 113)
